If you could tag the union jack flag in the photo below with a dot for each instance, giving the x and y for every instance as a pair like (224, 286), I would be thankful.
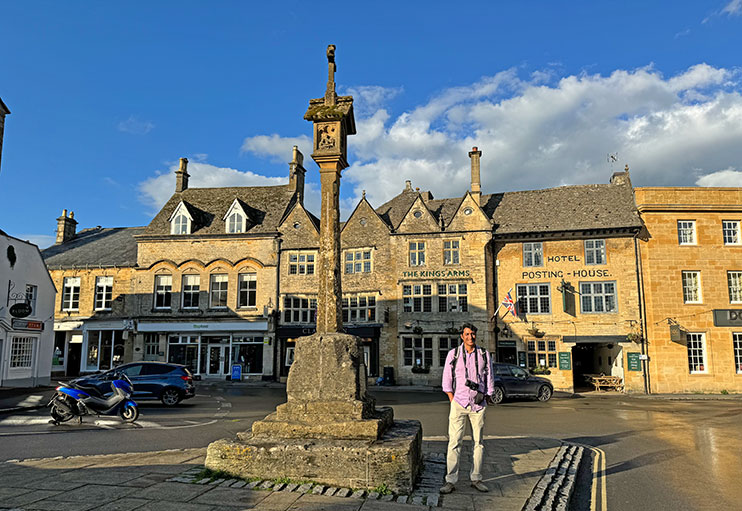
(509, 304)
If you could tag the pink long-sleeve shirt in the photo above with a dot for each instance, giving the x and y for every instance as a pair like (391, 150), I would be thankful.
(463, 395)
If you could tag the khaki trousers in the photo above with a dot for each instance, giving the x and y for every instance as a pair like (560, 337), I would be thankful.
(456, 427)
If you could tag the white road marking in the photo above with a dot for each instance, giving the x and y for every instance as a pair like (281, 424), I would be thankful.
(31, 401)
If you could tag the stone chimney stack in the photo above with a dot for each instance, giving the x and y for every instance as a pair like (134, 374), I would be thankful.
(407, 185)
(66, 227)
(476, 186)
(181, 176)
(3, 112)
(296, 174)
(621, 178)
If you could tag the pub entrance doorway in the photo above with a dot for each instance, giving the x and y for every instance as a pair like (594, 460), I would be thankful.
(595, 359)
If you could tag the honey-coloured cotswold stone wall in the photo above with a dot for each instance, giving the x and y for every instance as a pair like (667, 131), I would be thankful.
(664, 260)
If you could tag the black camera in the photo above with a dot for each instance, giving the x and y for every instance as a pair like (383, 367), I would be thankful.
(472, 385)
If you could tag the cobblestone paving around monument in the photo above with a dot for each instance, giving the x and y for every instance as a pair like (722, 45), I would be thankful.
(175, 479)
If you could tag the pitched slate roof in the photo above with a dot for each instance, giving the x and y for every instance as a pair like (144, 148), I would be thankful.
(566, 208)
(265, 206)
(95, 247)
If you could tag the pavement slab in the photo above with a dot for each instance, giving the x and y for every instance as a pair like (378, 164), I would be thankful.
(231, 497)
(24, 499)
(322, 503)
(54, 504)
(159, 505)
(174, 492)
(277, 501)
(377, 505)
(125, 504)
(144, 481)
(95, 493)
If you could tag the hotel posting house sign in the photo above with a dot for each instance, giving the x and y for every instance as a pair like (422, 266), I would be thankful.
(560, 274)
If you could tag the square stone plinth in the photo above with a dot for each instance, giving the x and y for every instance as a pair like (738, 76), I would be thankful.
(395, 459)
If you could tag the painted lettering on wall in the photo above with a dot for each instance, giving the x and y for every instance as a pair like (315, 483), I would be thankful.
(559, 274)
(561, 258)
(418, 274)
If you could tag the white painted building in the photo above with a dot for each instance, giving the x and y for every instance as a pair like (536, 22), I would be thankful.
(26, 315)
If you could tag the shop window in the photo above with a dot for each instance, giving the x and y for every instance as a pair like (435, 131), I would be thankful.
(598, 297)
(163, 291)
(452, 298)
(734, 278)
(248, 288)
(301, 263)
(71, 294)
(218, 287)
(31, 295)
(191, 291)
(248, 351)
(417, 253)
(696, 353)
(737, 343)
(289, 356)
(183, 350)
(445, 344)
(59, 349)
(692, 287)
(298, 309)
(151, 346)
(450, 252)
(359, 308)
(358, 261)
(103, 293)
(417, 297)
(731, 232)
(594, 251)
(418, 351)
(534, 298)
(686, 232)
(541, 354)
(21, 352)
(533, 254)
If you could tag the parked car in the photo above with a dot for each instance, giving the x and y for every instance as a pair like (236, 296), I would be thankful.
(514, 381)
(170, 383)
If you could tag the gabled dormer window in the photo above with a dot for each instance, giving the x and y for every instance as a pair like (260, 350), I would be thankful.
(235, 221)
(180, 220)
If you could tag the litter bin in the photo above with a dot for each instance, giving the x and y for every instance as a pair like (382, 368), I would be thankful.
(388, 375)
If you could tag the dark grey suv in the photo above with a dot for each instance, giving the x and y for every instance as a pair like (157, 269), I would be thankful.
(170, 383)
(514, 381)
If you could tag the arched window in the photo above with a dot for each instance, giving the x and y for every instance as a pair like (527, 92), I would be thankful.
(235, 223)
(180, 225)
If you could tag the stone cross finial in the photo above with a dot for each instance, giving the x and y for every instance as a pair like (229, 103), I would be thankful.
(331, 68)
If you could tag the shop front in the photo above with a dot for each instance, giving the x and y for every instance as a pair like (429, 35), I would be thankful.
(211, 349)
(101, 347)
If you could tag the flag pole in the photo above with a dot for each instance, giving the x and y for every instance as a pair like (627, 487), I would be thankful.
(498, 307)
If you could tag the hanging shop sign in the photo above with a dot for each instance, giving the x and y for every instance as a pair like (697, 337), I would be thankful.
(727, 317)
(20, 310)
(24, 324)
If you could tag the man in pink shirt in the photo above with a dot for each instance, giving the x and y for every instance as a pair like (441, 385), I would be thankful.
(468, 382)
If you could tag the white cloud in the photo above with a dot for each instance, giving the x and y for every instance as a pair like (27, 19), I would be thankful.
(733, 8)
(135, 126)
(276, 147)
(726, 177)
(156, 190)
(369, 98)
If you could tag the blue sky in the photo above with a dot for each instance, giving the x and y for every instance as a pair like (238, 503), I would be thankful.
(105, 97)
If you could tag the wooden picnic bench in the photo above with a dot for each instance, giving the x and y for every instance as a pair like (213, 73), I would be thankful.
(606, 382)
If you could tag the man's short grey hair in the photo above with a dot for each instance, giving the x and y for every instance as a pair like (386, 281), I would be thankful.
(470, 326)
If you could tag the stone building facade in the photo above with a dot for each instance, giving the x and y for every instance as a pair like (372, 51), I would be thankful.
(691, 258)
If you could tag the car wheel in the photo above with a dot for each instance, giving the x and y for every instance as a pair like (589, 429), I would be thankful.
(544, 393)
(170, 397)
(498, 395)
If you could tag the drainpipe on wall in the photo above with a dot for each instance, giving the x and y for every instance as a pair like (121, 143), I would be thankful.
(642, 314)
(277, 315)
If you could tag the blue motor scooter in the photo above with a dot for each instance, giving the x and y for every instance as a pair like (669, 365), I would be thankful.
(75, 400)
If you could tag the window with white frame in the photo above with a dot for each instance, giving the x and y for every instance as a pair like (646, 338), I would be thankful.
(534, 298)
(235, 222)
(71, 294)
(445, 344)
(594, 251)
(734, 278)
(21, 352)
(696, 353)
(692, 287)
(533, 254)
(163, 291)
(247, 289)
(103, 293)
(417, 297)
(359, 308)
(598, 297)
(450, 252)
(181, 224)
(452, 298)
(301, 263)
(417, 253)
(542, 353)
(218, 287)
(418, 351)
(32, 293)
(358, 261)
(730, 230)
(737, 344)
(299, 309)
(191, 291)
(687, 232)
